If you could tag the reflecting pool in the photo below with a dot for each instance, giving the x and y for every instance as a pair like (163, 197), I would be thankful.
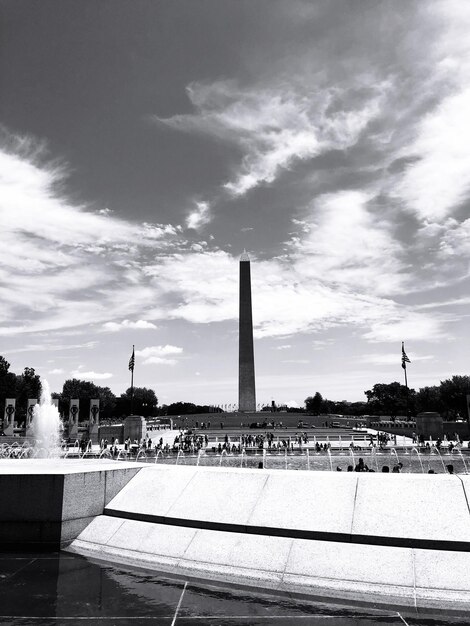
(52, 589)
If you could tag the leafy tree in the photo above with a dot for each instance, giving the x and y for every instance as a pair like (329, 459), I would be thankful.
(28, 385)
(188, 408)
(453, 392)
(391, 399)
(22, 387)
(314, 404)
(348, 408)
(4, 366)
(86, 390)
(144, 403)
(429, 399)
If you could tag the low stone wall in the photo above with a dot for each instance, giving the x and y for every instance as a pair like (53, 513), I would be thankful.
(45, 504)
(450, 429)
(384, 537)
(111, 432)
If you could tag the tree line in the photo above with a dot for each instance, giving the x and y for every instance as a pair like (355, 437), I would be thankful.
(144, 400)
(449, 398)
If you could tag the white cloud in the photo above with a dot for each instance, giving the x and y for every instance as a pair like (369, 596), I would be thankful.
(158, 360)
(78, 266)
(437, 182)
(286, 300)
(63, 265)
(90, 375)
(444, 303)
(347, 245)
(284, 347)
(292, 404)
(394, 358)
(125, 324)
(407, 325)
(57, 370)
(199, 217)
(275, 126)
(159, 351)
(52, 347)
(158, 355)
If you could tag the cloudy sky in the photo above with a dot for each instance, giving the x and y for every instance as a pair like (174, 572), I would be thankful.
(145, 143)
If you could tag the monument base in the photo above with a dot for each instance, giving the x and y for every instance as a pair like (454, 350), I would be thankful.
(429, 424)
(135, 428)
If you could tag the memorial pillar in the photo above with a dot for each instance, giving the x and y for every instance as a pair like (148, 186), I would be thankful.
(9, 417)
(29, 416)
(73, 418)
(94, 421)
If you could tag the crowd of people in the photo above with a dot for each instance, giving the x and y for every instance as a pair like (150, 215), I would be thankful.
(361, 466)
(192, 442)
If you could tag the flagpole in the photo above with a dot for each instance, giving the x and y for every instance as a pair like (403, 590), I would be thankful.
(404, 358)
(132, 382)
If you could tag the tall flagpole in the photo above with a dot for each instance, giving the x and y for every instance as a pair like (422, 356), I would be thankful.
(404, 361)
(131, 367)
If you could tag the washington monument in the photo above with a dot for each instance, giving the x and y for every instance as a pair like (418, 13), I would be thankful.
(246, 361)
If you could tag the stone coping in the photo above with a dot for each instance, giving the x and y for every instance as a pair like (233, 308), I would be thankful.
(63, 466)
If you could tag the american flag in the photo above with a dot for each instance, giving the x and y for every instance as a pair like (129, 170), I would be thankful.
(404, 358)
(132, 360)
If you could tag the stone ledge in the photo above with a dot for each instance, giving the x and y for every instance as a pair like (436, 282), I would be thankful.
(46, 504)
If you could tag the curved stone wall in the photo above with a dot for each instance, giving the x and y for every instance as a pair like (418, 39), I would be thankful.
(386, 537)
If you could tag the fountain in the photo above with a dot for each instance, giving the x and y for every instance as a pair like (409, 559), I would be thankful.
(419, 457)
(47, 426)
(434, 447)
(374, 459)
(88, 450)
(394, 452)
(141, 455)
(331, 460)
(353, 460)
(223, 453)
(459, 452)
(179, 454)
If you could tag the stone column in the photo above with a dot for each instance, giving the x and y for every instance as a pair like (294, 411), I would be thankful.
(29, 416)
(94, 420)
(246, 361)
(73, 418)
(9, 417)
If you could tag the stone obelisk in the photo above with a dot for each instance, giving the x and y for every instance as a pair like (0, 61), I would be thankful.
(246, 360)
